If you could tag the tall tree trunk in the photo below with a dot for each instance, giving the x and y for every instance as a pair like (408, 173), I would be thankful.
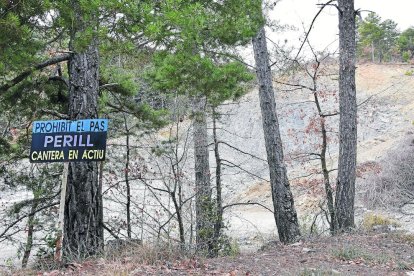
(204, 223)
(372, 52)
(83, 228)
(284, 208)
(30, 231)
(176, 196)
(345, 186)
(324, 166)
(179, 220)
(218, 225)
(327, 184)
(128, 186)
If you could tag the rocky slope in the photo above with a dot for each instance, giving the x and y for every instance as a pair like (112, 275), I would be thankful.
(386, 116)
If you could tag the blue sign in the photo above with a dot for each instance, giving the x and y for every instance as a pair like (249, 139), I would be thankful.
(68, 141)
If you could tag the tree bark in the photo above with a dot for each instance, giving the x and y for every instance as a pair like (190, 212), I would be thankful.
(284, 208)
(83, 227)
(372, 52)
(218, 225)
(204, 223)
(126, 173)
(345, 186)
(176, 196)
(30, 232)
(324, 166)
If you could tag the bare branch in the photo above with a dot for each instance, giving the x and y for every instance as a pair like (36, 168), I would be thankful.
(25, 216)
(110, 231)
(300, 86)
(329, 114)
(59, 78)
(376, 94)
(108, 85)
(329, 3)
(54, 113)
(248, 203)
(244, 170)
(239, 150)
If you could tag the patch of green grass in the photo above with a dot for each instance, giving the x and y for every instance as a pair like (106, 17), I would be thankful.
(232, 249)
(348, 253)
(401, 265)
(353, 253)
(409, 73)
(316, 272)
(381, 258)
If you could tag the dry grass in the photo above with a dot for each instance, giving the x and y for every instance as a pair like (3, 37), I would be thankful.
(356, 254)
(125, 260)
(405, 238)
(394, 185)
(372, 221)
(148, 254)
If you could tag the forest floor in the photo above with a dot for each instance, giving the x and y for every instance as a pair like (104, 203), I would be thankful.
(373, 253)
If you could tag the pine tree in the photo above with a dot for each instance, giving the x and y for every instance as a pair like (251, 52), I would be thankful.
(406, 44)
(345, 184)
(196, 63)
(284, 207)
(378, 36)
(39, 36)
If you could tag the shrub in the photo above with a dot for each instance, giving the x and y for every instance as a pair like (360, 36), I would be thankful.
(354, 253)
(316, 272)
(230, 248)
(405, 238)
(349, 253)
(139, 253)
(394, 185)
(409, 73)
(371, 221)
(406, 56)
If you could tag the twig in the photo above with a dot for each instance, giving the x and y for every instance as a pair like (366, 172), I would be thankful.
(310, 28)
(239, 150)
(110, 231)
(27, 215)
(246, 171)
(55, 113)
(248, 203)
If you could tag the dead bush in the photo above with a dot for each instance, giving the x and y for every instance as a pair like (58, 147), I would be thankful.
(142, 253)
(393, 186)
(378, 222)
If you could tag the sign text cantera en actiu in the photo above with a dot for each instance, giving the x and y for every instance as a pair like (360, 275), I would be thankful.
(68, 141)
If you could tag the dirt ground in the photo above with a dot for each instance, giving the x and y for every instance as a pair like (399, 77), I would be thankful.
(374, 253)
